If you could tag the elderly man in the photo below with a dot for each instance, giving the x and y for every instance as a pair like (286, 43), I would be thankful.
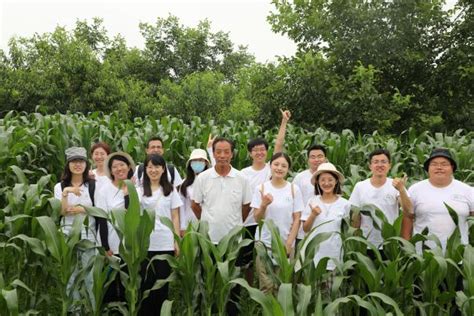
(430, 196)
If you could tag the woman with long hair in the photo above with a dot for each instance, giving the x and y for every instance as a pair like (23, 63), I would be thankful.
(325, 211)
(158, 194)
(280, 201)
(75, 191)
(196, 164)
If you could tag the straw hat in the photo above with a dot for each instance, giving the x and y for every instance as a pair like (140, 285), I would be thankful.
(198, 154)
(115, 154)
(327, 167)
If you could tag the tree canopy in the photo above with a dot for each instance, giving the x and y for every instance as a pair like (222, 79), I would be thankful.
(363, 65)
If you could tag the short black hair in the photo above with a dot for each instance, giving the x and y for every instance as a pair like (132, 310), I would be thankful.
(153, 139)
(222, 139)
(316, 147)
(256, 142)
(380, 151)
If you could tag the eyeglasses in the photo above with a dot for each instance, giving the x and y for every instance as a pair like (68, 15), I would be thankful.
(379, 162)
(259, 150)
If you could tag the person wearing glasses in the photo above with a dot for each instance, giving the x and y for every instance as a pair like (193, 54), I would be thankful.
(431, 196)
(382, 192)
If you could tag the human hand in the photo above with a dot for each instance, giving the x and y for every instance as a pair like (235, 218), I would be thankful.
(285, 115)
(315, 210)
(399, 183)
(267, 199)
(74, 190)
(210, 140)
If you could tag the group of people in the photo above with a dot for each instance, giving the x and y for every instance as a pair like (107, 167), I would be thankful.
(225, 197)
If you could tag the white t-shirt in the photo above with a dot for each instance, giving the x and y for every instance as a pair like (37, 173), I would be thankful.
(100, 180)
(303, 181)
(109, 198)
(256, 178)
(67, 220)
(221, 199)
(186, 214)
(161, 238)
(331, 215)
(280, 211)
(177, 177)
(430, 211)
(385, 198)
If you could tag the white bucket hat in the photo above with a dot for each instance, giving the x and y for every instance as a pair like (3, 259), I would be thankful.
(198, 154)
(118, 153)
(327, 167)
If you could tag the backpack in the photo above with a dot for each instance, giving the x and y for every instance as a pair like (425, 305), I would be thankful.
(170, 168)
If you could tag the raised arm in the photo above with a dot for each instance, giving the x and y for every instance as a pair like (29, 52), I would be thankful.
(280, 140)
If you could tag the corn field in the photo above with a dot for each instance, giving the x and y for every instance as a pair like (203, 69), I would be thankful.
(37, 259)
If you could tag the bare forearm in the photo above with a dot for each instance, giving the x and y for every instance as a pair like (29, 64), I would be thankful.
(405, 202)
(196, 209)
(295, 227)
(259, 213)
(407, 226)
(245, 211)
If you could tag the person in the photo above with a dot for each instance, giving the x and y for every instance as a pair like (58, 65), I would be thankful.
(99, 152)
(316, 156)
(281, 202)
(114, 195)
(381, 191)
(258, 173)
(76, 190)
(429, 197)
(325, 212)
(196, 164)
(221, 196)
(154, 145)
(158, 195)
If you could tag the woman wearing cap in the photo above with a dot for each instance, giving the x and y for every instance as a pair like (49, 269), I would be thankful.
(159, 195)
(279, 201)
(99, 153)
(429, 197)
(196, 164)
(74, 191)
(325, 210)
(114, 195)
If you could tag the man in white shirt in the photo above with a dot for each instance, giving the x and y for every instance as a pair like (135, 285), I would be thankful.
(316, 156)
(155, 146)
(222, 196)
(430, 196)
(382, 192)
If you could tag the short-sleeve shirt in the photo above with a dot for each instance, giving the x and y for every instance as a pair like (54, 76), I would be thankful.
(385, 198)
(430, 211)
(221, 199)
(161, 238)
(255, 178)
(72, 200)
(303, 181)
(329, 220)
(109, 198)
(285, 203)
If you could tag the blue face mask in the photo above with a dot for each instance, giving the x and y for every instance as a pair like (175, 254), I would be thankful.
(198, 166)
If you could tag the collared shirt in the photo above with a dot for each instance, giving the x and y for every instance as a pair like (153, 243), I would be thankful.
(221, 199)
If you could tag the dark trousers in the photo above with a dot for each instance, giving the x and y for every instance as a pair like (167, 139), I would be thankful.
(158, 270)
(116, 291)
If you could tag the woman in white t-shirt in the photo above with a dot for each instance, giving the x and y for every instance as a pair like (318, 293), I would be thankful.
(114, 195)
(279, 201)
(196, 164)
(74, 191)
(158, 194)
(326, 210)
(99, 152)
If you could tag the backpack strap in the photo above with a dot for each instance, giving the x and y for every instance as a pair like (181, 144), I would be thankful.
(262, 189)
(91, 187)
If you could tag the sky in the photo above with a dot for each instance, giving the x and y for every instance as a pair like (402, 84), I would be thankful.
(245, 20)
